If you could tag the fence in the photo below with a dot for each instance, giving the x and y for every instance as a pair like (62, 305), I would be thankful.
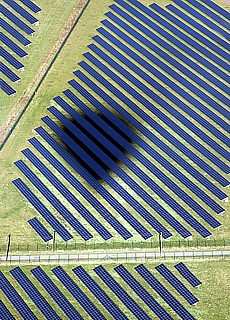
(18, 246)
(114, 257)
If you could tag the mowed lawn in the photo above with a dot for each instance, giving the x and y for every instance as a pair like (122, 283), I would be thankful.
(213, 294)
(14, 207)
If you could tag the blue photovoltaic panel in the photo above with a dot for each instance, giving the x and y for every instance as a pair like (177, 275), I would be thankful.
(34, 294)
(25, 14)
(172, 49)
(5, 313)
(13, 46)
(45, 213)
(111, 182)
(142, 293)
(168, 36)
(15, 33)
(198, 26)
(54, 201)
(202, 18)
(210, 14)
(197, 35)
(9, 58)
(164, 293)
(174, 30)
(125, 298)
(187, 274)
(8, 72)
(78, 294)
(177, 284)
(70, 198)
(162, 116)
(104, 193)
(192, 156)
(31, 5)
(172, 221)
(135, 169)
(132, 135)
(150, 44)
(99, 293)
(81, 189)
(40, 229)
(56, 294)
(15, 299)
(217, 8)
(16, 20)
(6, 87)
(198, 117)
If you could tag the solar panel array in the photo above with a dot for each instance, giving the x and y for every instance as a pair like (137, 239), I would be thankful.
(15, 23)
(163, 168)
(187, 274)
(93, 293)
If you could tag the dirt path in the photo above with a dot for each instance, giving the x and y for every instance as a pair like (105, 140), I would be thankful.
(29, 91)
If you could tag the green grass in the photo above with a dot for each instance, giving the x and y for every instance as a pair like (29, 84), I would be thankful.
(213, 294)
(14, 207)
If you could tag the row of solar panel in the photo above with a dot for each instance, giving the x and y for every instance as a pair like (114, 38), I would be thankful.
(72, 199)
(17, 35)
(71, 311)
(204, 19)
(172, 49)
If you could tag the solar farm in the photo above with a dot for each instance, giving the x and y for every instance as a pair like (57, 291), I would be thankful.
(115, 139)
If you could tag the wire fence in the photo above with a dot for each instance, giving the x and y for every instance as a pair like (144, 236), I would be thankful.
(115, 257)
(18, 246)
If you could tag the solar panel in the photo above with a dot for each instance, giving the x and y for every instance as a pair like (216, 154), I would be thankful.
(159, 87)
(197, 35)
(177, 284)
(187, 274)
(25, 14)
(12, 17)
(217, 8)
(78, 294)
(174, 30)
(34, 294)
(69, 196)
(105, 176)
(80, 188)
(185, 59)
(134, 168)
(40, 229)
(31, 5)
(45, 213)
(99, 293)
(159, 40)
(8, 72)
(15, 33)
(9, 58)
(4, 312)
(192, 156)
(198, 26)
(164, 293)
(125, 298)
(55, 294)
(211, 15)
(189, 124)
(6, 87)
(102, 191)
(15, 299)
(162, 116)
(54, 201)
(133, 136)
(148, 299)
(12, 45)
